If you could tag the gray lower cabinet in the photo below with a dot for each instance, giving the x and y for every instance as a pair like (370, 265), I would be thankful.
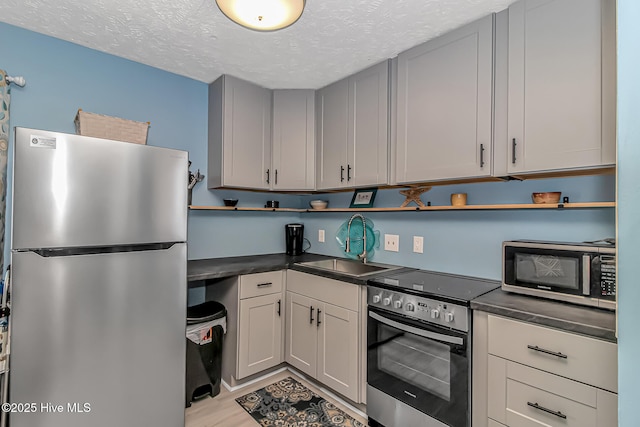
(444, 106)
(239, 134)
(260, 334)
(301, 333)
(255, 323)
(323, 330)
(561, 85)
(527, 375)
(293, 142)
(260, 322)
(352, 130)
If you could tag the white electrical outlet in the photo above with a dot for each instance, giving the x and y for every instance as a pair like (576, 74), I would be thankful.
(392, 242)
(321, 236)
(418, 244)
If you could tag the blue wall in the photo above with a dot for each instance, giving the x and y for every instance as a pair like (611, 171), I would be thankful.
(469, 242)
(628, 211)
(62, 77)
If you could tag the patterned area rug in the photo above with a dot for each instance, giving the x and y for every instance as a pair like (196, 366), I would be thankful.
(288, 403)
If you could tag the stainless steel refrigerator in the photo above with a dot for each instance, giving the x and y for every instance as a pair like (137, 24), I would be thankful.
(98, 282)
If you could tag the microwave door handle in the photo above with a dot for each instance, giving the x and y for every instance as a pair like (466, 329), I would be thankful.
(586, 274)
(416, 331)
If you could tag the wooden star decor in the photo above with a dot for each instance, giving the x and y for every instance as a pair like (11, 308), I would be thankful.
(413, 195)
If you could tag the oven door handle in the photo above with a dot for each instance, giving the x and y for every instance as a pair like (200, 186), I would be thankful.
(416, 331)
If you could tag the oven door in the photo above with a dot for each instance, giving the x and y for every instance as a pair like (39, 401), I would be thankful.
(422, 365)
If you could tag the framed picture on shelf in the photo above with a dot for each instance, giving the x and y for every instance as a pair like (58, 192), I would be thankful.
(363, 198)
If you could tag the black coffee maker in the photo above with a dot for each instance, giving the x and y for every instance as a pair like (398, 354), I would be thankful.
(294, 238)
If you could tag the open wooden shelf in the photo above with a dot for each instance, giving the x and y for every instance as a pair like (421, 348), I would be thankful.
(588, 205)
(230, 208)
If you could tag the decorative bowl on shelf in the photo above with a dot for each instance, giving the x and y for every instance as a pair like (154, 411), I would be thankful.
(551, 197)
(319, 204)
(230, 202)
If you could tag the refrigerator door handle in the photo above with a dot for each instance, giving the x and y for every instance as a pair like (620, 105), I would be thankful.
(58, 252)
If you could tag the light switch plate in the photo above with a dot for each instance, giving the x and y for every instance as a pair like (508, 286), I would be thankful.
(392, 242)
(418, 244)
(321, 236)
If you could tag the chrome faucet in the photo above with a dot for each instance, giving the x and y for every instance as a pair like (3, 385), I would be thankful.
(363, 255)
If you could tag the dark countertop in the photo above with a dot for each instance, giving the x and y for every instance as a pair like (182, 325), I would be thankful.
(589, 321)
(593, 322)
(215, 268)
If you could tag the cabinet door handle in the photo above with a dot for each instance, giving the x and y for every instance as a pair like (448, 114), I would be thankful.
(481, 155)
(513, 151)
(548, 411)
(348, 173)
(267, 176)
(318, 318)
(276, 178)
(264, 285)
(279, 308)
(311, 315)
(542, 350)
(341, 173)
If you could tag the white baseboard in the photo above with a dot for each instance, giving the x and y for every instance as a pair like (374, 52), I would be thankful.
(253, 381)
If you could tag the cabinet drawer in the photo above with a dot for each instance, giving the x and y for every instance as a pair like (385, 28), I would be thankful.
(254, 285)
(572, 356)
(528, 406)
(492, 423)
(512, 386)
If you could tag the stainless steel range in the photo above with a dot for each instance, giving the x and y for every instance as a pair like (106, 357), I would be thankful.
(419, 348)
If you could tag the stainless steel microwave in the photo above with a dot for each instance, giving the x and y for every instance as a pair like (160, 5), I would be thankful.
(580, 273)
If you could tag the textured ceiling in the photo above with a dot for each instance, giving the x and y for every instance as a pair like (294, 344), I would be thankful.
(332, 39)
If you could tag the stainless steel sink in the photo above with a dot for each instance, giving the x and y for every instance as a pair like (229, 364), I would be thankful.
(349, 267)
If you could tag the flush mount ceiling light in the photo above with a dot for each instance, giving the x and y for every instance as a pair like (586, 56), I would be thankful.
(262, 15)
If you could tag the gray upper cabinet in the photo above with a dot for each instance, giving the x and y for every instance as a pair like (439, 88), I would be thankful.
(332, 126)
(444, 106)
(293, 161)
(368, 142)
(561, 85)
(239, 134)
(352, 130)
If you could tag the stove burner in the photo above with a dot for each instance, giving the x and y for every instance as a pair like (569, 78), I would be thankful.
(442, 286)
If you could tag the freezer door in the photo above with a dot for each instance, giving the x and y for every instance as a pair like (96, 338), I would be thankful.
(71, 190)
(105, 330)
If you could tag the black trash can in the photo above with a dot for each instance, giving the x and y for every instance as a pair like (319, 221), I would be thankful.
(204, 357)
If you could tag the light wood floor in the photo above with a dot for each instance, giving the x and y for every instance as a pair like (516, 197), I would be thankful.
(223, 411)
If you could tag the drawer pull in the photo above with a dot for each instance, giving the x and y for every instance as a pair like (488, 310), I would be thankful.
(264, 285)
(542, 350)
(548, 411)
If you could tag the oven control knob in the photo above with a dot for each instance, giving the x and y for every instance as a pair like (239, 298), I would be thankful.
(409, 307)
(386, 301)
(435, 313)
(376, 299)
(448, 317)
(397, 303)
